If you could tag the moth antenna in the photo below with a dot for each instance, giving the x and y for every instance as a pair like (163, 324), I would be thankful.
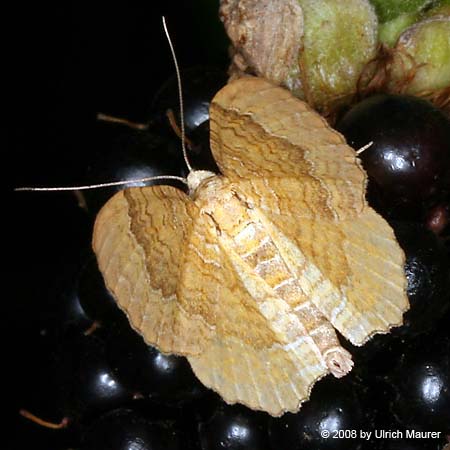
(180, 96)
(108, 118)
(365, 147)
(102, 185)
(173, 123)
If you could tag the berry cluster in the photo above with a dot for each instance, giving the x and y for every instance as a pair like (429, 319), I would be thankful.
(89, 372)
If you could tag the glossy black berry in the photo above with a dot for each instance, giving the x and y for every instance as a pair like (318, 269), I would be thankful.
(234, 428)
(421, 385)
(126, 154)
(333, 407)
(94, 297)
(89, 383)
(72, 313)
(124, 429)
(200, 84)
(427, 269)
(409, 161)
(69, 314)
(162, 377)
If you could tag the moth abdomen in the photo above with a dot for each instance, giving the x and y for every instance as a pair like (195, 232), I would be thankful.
(273, 285)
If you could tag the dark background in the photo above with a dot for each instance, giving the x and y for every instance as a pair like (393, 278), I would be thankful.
(68, 62)
(63, 64)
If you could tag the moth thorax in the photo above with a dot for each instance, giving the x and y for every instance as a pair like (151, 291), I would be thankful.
(196, 177)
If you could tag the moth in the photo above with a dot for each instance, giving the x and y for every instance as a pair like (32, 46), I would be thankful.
(250, 274)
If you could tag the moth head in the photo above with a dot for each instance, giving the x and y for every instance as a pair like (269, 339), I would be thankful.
(195, 178)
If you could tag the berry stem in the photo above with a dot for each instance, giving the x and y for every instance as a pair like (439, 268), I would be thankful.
(174, 125)
(44, 423)
(107, 118)
(95, 325)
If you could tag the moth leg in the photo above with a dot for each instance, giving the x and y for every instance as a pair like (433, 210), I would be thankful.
(338, 360)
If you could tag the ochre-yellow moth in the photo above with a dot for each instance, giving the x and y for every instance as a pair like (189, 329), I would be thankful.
(250, 274)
